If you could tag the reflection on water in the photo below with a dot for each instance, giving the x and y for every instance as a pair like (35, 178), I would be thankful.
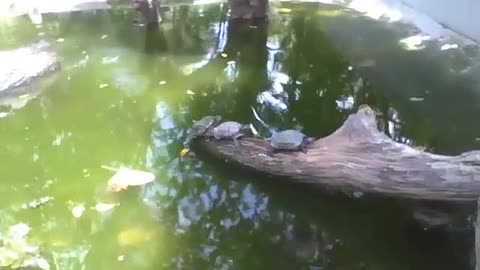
(127, 94)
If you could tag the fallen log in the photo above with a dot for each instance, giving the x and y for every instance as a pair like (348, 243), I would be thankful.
(477, 236)
(359, 157)
(19, 67)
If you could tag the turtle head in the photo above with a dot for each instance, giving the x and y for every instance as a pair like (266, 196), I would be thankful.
(309, 140)
(247, 129)
(216, 119)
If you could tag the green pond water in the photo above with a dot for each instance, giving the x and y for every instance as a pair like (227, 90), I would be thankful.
(126, 96)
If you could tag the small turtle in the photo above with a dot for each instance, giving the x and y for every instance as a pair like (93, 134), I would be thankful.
(200, 127)
(288, 140)
(230, 130)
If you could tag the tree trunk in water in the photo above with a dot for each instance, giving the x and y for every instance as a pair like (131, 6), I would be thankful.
(248, 9)
(359, 157)
(149, 10)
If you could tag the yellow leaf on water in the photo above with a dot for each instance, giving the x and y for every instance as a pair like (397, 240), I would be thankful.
(102, 207)
(184, 152)
(284, 10)
(60, 243)
(133, 236)
(125, 177)
(329, 13)
(224, 55)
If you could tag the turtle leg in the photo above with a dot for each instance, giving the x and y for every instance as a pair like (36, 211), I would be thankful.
(303, 149)
(210, 138)
(235, 142)
(270, 151)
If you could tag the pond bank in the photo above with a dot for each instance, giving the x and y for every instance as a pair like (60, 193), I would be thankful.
(21, 66)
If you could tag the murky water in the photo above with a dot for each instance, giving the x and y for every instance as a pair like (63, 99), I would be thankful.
(126, 95)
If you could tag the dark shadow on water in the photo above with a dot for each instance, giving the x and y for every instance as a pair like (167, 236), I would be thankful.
(155, 39)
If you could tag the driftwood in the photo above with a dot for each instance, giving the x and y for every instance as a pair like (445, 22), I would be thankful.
(21, 66)
(477, 237)
(359, 157)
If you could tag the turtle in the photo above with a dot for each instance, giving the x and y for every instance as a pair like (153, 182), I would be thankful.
(288, 140)
(200, 127)
(230, 130)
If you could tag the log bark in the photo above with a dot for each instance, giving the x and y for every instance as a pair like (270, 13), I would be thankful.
(21, 66)
(477, 237)
(359, 157)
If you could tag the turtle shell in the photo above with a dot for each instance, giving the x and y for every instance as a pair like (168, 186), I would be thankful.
(201, 126)
(227, 130)
(289, 139)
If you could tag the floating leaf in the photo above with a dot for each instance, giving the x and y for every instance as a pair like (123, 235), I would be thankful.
(18, 253)
(36, 261)
(416, 99)
(7, 257)
(103, 85)
(125, 177)
(121, 258)
(448, 47)
(102, 207)
(224, 55)
(184, 152)
(78, 210)
(37, 203)
(104, 36)
(190, 92)
(60, 40)
(19, 230)
(330, 13)
(162, 82)
(284, 10)
(133, 236)
(60, 243)
(110, 60)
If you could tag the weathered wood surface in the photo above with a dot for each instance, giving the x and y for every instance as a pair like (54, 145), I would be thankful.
(477, 237)
(20, 66)
(357, 156)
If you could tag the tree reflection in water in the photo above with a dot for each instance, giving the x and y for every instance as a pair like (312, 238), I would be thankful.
(294, 77)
